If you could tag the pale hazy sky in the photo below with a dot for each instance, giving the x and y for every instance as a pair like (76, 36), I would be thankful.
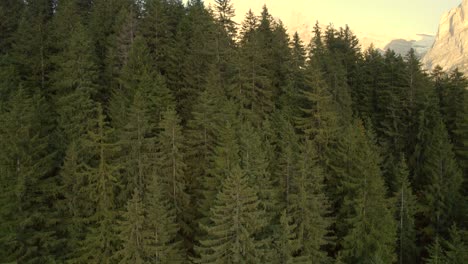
(378, 21)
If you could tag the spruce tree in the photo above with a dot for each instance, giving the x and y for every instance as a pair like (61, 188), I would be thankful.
(406, 209)
(287, 245)
(254, 161)
(75, 85)
(131, 232)
(210, 112)
(436, 253)
(319, 119)
(160, 239)
(235, 220)
(31, 48)
(139, 75)
(310, 207)
(226, 12)
(76, 206)
(365, 227)
(171, 167)
(137, 139)
(28, 187)
(10, 12)
(254, 87)
(456, 251)
(225, 156)
(440, 180)
(101, 175)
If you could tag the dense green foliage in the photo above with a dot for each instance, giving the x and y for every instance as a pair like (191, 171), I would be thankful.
(162, 132)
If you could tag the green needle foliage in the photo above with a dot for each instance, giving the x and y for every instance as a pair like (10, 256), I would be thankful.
(161, 131)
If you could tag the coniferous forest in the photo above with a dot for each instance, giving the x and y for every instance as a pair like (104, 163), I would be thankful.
(158, 131)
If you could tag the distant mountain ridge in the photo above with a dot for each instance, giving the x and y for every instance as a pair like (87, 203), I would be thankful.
(450, 49)
(403, 46)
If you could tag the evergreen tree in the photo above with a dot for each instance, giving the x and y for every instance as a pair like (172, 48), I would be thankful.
(75, 86)
(197, 40)
(391, 115)
(76, 206)
(131, 232)
(254, 161)
(310, 207)
(440, 181)
(365, 227)
(31, 47)
(225, 157)
(452, 93)
(160, 243)
(286, 244)
(452, 250)
(210, 112)
(138, 75)
(235, 220)
(10, 12)
(137, 140)
(406, 208)
(437, 254)
(28, 188)
(290, 91)
(456, 246)
(101, 174)
(171, 167)
(254, 87)
(319, 118)
(226, 12)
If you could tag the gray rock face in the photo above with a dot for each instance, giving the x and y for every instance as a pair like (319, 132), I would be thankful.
(450, 49)
(403, 46)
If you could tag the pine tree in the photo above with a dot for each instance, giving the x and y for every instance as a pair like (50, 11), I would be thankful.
(28, 187)
(254, 161)
(453, 105)
(287, 245)
(371, 77)
(131, 232)
(310, 207)
(226, 12)
(456, 246)
(319, 118)
(209, 115)
(391, 115)
(171, 166)
(137, 139)
(10, 12)
(101, 174)
(138, 75)
(335, 69)
(159, 24)
(76, 206)
(197, 39)
(281, 60)
(160, 239)
(284, 162)
(225, 157)
(365, 226)
(31, 46)
(437, 253)
(290, 91)
(254, 87)
(452, 250)
(406, 209)
(75, 85)
(235, 220)
(439, 180)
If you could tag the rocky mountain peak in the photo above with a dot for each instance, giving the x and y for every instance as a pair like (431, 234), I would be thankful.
(450, 48)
